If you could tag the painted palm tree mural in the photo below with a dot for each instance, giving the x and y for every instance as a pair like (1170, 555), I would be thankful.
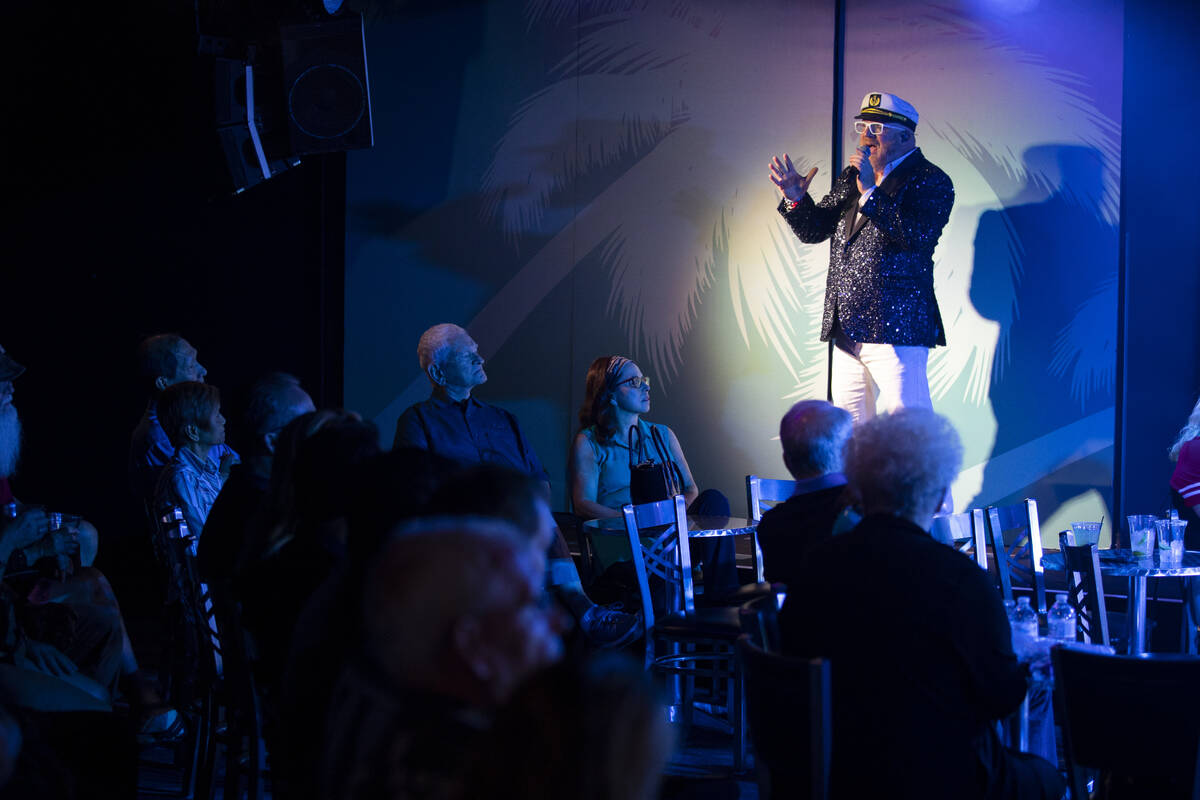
(646, 148)
(692, 90)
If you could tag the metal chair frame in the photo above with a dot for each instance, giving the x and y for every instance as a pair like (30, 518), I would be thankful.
(1016, 538)
(1139, 740)
(964, 532)
(758, 491)
(1085, 589)
(702, 654)
(228, 714)
(796, 692)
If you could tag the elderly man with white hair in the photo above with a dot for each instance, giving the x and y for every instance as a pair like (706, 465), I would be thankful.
(456, 426)
(918, 640)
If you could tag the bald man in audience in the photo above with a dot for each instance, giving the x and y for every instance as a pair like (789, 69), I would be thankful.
(813, 434)
(452, 624)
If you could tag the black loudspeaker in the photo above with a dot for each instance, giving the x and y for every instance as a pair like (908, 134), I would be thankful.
(326, 93)
(252, 141)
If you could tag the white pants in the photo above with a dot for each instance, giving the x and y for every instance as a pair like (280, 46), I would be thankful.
(894, 372)
(877, 378)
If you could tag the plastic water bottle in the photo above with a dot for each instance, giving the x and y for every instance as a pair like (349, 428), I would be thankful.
(1061, 620)
(1025, 619)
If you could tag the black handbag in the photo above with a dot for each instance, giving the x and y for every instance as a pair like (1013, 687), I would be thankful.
(650, 480)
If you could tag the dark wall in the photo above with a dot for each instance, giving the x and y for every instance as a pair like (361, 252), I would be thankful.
(125, 227)
(1161, 349)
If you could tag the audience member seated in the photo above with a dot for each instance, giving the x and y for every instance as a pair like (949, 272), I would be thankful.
(67, 623)
(498, 493)
(302, 537)
(493, 491)
(164, 360)
(589, 730)
(453, 625)
(1185, 497)
(1185, 480)
(454, 425)
(191, 480)
(37, 674)
(81, 531)
(390, 489)
(813, 434)
(616, 394)
(920, 647)
(275, 400)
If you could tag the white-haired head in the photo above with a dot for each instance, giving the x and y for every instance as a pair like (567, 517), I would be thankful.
(436, 342)
(902, 463)
(814, 434)
(450, 359)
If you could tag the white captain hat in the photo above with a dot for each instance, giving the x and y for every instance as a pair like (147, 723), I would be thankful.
(884, 107)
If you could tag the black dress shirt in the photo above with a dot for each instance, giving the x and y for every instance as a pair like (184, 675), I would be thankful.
(468, 433)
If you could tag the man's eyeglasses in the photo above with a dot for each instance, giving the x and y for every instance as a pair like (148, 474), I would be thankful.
(876, 128)
(637, 382)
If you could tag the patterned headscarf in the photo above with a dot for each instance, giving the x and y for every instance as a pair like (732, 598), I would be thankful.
(613, 372)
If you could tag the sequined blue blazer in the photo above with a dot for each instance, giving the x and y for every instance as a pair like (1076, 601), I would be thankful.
(880, 283)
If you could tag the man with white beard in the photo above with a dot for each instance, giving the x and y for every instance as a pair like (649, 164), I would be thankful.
(98, 658)
(10, 452)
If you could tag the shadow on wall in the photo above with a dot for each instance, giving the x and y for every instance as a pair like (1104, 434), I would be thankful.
(1046, 271)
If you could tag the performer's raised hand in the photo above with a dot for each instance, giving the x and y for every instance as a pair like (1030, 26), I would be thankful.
(789, 182)
(861, 159)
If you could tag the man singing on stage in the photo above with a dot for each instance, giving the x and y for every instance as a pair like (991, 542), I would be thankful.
(885, 213)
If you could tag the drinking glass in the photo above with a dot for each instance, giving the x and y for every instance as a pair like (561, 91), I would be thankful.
(1170, 540)
(1141, 534)
(1086, 532)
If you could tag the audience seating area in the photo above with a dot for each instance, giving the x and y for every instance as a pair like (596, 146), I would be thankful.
(335, 621)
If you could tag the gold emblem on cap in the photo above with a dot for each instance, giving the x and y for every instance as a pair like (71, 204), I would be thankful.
(874, 100)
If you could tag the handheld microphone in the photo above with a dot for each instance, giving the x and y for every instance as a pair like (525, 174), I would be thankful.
(866, 152)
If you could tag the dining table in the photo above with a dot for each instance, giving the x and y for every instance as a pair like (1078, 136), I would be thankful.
(1121, 563)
